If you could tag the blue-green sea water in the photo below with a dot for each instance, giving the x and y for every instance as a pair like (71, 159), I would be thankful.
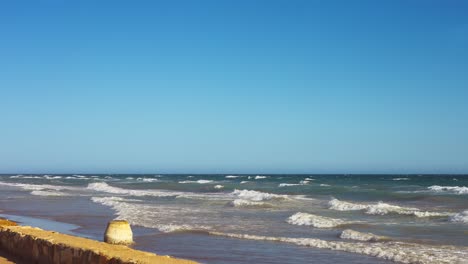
(261, 218)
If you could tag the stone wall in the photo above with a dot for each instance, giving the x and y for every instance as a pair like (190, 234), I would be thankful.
(35, 245)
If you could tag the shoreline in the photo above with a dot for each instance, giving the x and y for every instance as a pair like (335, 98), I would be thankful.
(25, 243)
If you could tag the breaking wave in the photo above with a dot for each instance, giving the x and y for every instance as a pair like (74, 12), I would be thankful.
(249, 204)
(140, 214)
(48, 193)
(42, 189)
(450, 189)
(199, 181)
(314, 220)
(104, 187)
(360, 236)
(257, 196)
(381, 208)
(461, 217)
(394, 251)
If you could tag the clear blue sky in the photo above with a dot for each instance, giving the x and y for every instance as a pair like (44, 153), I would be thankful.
(234, 86)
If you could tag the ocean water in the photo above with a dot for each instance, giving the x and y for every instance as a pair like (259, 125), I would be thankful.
(260, 218)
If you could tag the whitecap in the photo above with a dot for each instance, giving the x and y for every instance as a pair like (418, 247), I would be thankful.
(461, 217)
(257, 196)
(199, 181)
(248, 203)
(104, 187)
(48, 193)
(242, 182)
(360, 236)
(400, 179)
(382, 208)
(450, 189)
(231, 177)
(147, 179)
(218, 186)
(314, 220)
(325, 185)
(259, 177)
(288, 184)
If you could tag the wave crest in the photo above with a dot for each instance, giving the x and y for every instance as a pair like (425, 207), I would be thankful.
(314, 220)
(257, 196)
(450, 189)
(461, 217)
(360, 236)
(382, 208)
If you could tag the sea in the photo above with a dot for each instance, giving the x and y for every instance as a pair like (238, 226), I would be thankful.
(249, 218)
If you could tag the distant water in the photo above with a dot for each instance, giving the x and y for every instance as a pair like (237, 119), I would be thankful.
(261, 218)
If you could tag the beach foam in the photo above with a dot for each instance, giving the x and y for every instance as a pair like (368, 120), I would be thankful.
(450, 189)
(140, 214)
(314, 220)
(394, 251)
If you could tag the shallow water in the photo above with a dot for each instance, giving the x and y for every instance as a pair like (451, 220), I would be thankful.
(255, 218)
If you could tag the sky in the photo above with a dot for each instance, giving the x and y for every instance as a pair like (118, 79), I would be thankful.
(233, 86)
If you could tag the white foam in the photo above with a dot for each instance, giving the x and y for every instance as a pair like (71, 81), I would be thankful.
(147, 179)
(104, 187)
(199, 181)
(461, 217)
(242, 182)
(314, 220)
(451, 189)
(231, 177)
(257, 196)
(140, 214)
(381, 208)
(394, 251)
(288, 184)
(338, 205)
(218, 186)
(400, 179)
(260, 177)
(309, 179)
(248, 203)
(324, 185)
(304, 182)
(48, 193)
(360, 236)
(77, 178)
(25, 177)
